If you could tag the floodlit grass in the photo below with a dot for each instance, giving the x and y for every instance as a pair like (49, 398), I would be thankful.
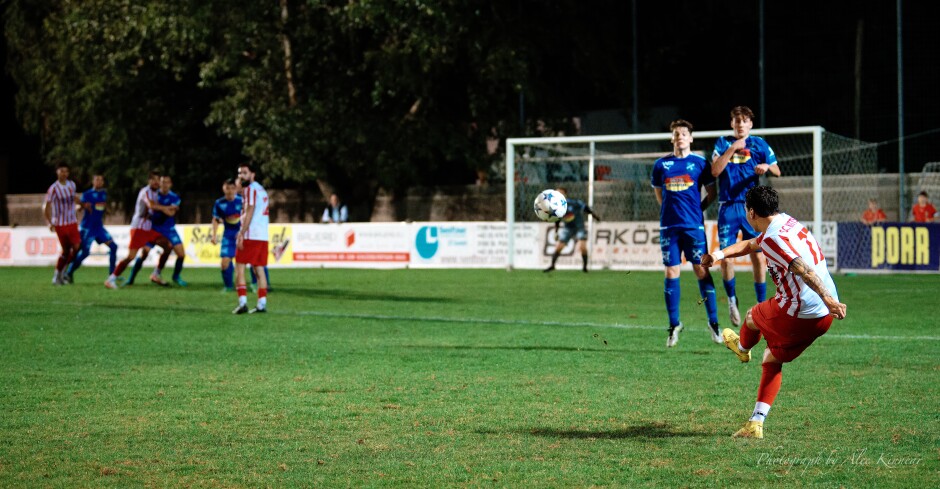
(432, 378)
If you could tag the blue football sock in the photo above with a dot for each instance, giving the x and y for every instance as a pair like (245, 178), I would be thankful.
(228, 275)
(138, 264)
(706, 287)
(729, 288)
(760, 288)
(671, 292)
(178, 267)
(254, 278)
(112, 256)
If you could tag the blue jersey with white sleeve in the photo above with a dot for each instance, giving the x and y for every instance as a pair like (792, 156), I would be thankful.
(738, 177)
(229, 212)
(679, 178)
(95, 202)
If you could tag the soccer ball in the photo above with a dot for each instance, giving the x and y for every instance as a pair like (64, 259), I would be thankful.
(551, 205)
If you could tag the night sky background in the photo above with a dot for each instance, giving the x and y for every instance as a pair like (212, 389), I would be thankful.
(699, 58)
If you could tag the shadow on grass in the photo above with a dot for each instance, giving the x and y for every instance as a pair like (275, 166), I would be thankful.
(313, 293)
(515, 348)
(648, 430)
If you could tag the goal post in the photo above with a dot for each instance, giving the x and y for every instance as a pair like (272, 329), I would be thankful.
(826, 177)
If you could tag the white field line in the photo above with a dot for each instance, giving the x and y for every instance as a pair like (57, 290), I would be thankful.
(503, 322)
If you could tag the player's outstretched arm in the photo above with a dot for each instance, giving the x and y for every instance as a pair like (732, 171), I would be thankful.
(804, 271)
(588, 210)
(740, 248)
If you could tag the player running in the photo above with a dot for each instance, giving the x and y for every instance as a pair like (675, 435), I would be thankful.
(803, 308)
(738, 162)
(59, 211)
(141, 227)
(251, 242)
(573, 228)
(677, 180)
(94, 201)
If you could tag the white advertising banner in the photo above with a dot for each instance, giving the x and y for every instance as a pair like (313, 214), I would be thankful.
(635, 246)
(614, 245)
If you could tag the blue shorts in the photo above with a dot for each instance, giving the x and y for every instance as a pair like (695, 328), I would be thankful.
(96, 234)
(227, 248)
(171, 235)
(731, 219)
(690, 242)
(565, 234)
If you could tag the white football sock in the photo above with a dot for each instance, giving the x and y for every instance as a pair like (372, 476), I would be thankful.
(761, 409)
(242, 300)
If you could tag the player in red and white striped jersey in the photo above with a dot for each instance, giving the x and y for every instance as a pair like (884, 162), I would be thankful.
(802, 309)
(141, 232)
(59, 211)
(251, 244)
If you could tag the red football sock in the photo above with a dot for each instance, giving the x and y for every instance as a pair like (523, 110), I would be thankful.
(749, 337)
(242, 290)
(769, 382)
(262, 293)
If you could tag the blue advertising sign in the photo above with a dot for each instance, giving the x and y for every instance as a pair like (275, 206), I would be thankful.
(889, 246)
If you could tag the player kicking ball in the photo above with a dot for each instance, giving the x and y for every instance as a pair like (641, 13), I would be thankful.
(801, 311)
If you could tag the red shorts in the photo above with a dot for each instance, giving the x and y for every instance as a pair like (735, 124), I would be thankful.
(787, 336)
(253, 252)
(69, 236)
(140, 237)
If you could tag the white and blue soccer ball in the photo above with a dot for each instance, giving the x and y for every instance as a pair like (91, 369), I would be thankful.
(551, 205)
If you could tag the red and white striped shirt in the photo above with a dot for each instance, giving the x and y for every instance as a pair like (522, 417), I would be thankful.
(62, 199)
(784, 240)
(255, 195)
(142, 212)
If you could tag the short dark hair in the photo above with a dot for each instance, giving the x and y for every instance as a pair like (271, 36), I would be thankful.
(154, 174)
(680, 123)
(924, 193)
(249, 166)
(229, 181)
(61, 164)
(562, 190)
(742, 110)
(762, 200)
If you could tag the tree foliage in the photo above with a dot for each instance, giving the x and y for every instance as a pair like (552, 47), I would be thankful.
(354, 94)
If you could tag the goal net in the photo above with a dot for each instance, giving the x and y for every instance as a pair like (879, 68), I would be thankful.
(825, 178)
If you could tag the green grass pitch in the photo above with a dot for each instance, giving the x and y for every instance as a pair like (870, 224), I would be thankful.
(432, 378)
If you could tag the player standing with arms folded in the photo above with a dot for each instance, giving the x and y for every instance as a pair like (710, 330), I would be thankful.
(251, 242)
(801, 311)
(59, 211)
(677, 180)
(94, 201)
(738, 162)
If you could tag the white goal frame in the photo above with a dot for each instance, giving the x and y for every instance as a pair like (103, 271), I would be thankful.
(511, 143)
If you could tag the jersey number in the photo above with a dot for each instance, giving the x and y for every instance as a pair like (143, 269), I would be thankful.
(812, 245)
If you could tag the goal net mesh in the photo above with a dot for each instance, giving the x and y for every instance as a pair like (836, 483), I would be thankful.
(622, 171)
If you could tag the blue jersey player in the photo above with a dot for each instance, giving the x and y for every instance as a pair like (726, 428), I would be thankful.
(738, 162)
(573, 228)
(677, 181)
(164, 224)
(94, 201)
(227, 212)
